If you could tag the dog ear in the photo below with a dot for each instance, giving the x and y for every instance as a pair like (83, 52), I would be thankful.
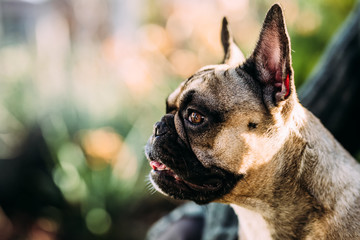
(272, 57)
(233, 55)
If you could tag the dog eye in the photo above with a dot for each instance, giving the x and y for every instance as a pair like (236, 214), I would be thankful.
(195, 118)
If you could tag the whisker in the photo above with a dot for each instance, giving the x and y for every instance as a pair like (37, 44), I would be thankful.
(149, 186)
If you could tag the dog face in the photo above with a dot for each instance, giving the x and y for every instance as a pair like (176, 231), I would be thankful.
(226, 120)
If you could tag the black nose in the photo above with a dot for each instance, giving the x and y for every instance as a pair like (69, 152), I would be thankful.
(160, 128)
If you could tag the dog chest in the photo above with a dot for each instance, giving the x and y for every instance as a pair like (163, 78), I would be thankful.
(252, 225)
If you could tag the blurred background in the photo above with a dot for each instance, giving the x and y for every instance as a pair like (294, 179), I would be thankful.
(83, 81)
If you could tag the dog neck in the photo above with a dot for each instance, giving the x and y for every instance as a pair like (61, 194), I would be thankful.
(303, 186)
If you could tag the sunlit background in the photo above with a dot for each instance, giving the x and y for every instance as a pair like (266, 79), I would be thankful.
(83, 81)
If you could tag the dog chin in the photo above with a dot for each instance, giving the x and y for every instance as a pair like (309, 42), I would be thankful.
(157, 188)
(202, 189)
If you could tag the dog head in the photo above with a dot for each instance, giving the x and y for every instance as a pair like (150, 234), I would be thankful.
(226, 119)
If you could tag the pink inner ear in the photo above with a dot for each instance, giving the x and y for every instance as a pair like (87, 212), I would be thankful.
(280, 84)
(287, 85)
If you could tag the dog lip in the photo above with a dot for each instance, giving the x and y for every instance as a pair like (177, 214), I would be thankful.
(159, 168)
(211, 187)
(162, 169)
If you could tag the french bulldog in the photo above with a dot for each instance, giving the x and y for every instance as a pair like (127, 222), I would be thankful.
(236, 133)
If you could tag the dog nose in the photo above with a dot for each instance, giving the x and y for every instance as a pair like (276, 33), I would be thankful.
(160, 128)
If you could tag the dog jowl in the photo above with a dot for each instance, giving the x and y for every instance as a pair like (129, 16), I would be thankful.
(236, 133)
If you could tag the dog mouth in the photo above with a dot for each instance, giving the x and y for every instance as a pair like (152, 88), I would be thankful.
(163, 173)
(163, 169)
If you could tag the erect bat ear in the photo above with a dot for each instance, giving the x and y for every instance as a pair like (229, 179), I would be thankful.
(272, 57)
(233, 55)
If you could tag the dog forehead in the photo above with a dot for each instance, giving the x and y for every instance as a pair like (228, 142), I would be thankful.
(174, 99)
(196, 81)
(215, 81)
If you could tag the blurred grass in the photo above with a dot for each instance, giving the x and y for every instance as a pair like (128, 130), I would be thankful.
(95, 82)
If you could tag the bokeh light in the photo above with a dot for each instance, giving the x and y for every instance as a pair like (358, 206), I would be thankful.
(98, 221)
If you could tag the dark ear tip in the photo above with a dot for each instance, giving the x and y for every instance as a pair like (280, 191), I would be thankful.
(224, 26)
(224, 21)
(275, 13)
(276, 9)
(225, 34)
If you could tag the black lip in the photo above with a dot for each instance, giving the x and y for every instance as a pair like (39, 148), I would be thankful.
(210, 184)
(204, 186)
(185, 190)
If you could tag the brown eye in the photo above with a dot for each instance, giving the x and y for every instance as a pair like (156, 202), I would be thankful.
(196, 118)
